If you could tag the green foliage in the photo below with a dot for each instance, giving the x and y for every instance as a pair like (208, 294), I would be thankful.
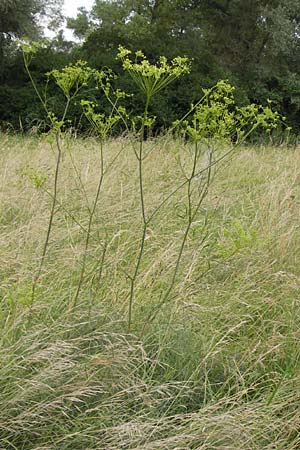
(101, 123)
(80, 25)
(236, 237)
(254, 46)
(37, 177)
(216, 118)
(21, 18)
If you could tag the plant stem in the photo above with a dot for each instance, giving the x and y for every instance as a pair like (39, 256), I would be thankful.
(89, 228)
(43, 102)
(53, 206)
(143, 212)
(191, 217)
(50, 222)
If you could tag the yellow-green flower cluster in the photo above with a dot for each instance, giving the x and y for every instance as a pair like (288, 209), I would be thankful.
(213, 118)
(71, 78)
(102, 123)
(216, 117)
(151, 78)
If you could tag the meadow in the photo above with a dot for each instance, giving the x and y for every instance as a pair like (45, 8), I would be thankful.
(212, 365)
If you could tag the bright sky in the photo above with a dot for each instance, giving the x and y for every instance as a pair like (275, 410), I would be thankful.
(70, 10)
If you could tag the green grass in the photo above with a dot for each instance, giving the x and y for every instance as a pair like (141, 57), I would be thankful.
(218, 364)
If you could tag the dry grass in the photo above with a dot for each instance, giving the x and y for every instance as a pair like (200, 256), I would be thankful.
(218, 368)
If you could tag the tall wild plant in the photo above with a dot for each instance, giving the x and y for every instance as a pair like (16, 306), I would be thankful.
(215, 126)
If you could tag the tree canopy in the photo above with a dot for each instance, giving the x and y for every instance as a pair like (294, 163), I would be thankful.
(23, 17)
(254, 43)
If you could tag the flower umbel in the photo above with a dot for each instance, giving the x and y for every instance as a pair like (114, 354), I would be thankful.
(216, 117)
(151, 78)
(71, 78)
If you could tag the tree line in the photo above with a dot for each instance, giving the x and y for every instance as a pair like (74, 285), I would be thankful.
(255, 44)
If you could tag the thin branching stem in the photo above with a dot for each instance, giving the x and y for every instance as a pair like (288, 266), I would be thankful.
(191, 213)
(43, 101)
(50, 222)
(53, 205)
(81, 184)
(89, 227)
(62, 207)
(91, 211)
(143, 213)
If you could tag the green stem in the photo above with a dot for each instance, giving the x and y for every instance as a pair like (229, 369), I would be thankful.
(89, 228)
(143, 212)
(34, 85)
(53, 206)
(191, 217)
(52, 212)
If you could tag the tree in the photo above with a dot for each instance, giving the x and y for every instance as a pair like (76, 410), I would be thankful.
(23, 17)
(255, 44)
(81, 24)
(19, 18)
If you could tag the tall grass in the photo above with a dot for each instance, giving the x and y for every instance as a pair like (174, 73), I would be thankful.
(216, 367)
